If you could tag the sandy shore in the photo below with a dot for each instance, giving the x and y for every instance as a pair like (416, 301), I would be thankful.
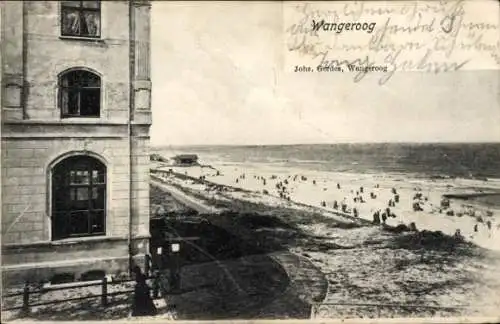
(362, 263)
(367, 194)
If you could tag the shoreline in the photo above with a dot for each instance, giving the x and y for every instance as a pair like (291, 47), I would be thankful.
(477, 222)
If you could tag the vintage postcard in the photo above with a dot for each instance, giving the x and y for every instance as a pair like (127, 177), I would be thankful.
(250, 160)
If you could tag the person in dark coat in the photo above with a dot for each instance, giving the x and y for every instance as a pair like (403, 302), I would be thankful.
(143, 303)
(384, 217)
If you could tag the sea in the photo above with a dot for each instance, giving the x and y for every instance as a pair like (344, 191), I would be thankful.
(458, 160)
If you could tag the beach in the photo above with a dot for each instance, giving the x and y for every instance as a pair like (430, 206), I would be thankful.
(364, 264)
(369, 193)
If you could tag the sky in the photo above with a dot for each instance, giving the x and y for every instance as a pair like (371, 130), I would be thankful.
(218, 79)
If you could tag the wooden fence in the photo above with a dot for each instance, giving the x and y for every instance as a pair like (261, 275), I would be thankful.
(103, 283)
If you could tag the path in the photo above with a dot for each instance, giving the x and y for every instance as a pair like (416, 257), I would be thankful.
(183, 198)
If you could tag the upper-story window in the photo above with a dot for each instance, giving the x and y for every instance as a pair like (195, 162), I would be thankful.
(80, 94)
(81, 18)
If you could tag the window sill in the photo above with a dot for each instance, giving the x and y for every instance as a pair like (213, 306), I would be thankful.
(84, 39)
(76, 240)
(72, 241)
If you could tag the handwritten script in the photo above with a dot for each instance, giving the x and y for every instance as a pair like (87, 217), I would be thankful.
(425, 36)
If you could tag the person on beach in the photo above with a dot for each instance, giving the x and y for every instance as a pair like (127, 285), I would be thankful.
(488, 223)
(361, 189)
(338, 185)
(376, 218)
(355, 212)
(384, 218)
(335, 205)
(475, 228)
(413, 227)
(396, 198)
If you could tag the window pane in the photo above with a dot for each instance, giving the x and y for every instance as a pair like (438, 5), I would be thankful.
(90, 102)
(65, 101)
(60, 197)
(60, 225)
(98, 176)
(88, 79)
(79, 195)
(79, 177)
(70, 22)
(79, 222)
(71, 3)
(98, 197)
(91, 23)
(91, 4)
(80, 79)
(69, 102)
(97, 222)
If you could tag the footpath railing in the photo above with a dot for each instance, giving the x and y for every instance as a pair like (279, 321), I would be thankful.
(376, 310)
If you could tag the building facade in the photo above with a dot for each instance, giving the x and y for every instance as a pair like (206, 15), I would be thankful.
(76, 113)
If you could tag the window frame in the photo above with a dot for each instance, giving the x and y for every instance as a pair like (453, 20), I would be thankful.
(62, 207)
(79, 89)
(80, 9)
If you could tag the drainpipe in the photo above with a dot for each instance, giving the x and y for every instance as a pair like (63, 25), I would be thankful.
(129, 124)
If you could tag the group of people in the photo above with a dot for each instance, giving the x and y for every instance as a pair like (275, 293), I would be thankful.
(380, 216)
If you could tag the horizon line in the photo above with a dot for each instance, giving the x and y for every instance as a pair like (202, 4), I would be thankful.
(336, 143)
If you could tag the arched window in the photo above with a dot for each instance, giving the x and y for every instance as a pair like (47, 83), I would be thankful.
(80, 94)
(78, 197)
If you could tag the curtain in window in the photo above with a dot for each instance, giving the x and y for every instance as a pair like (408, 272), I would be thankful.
(65, 100)
(71, 22)
(92, 23)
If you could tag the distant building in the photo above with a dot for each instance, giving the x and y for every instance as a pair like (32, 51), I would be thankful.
(157, 158)
(186, 159)
(75, 134)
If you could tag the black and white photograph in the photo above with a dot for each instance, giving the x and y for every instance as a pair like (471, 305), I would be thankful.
(250, 160)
